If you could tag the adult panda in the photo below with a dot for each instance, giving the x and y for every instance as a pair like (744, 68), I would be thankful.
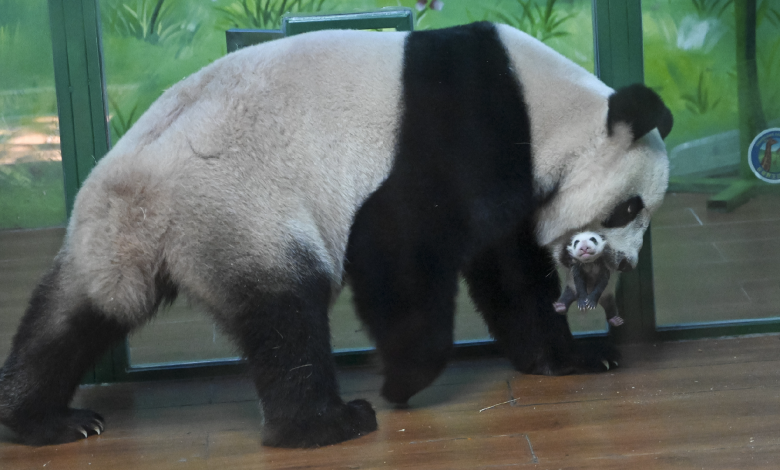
(404, 159)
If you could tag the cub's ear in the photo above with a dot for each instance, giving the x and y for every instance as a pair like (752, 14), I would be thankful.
(641, 108)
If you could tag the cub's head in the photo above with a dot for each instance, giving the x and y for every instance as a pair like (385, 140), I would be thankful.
(613, 179)
(586, 247)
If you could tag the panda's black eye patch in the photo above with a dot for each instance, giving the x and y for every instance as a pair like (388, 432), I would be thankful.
(574, 245)
(593, 239)
(624, 213)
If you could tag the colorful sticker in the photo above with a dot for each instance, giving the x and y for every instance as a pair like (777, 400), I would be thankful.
(764, 155)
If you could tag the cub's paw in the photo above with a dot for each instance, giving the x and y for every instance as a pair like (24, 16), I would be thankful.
(336, 424)
(591, 303)
(60, 428)
(583, 305)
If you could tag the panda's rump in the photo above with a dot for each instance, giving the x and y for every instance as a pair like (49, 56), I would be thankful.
(113, 252)
(134, 235)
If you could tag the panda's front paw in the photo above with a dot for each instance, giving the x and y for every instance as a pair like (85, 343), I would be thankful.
(582, 305)
(338, 423)
(599, 357)
(85, 423)
(403, 381)
(60, 427)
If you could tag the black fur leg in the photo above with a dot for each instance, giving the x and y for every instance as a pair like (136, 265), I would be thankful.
(411, 324)
(514, 285)
(610, 308)
(286, 339)
(58, 340)
(462, 176)
(404, 290)
(414, 352)
(565, 300)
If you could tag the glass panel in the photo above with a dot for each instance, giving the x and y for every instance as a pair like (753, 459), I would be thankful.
(716, 239)
(146, 52)
(31, 183)
(31, 178)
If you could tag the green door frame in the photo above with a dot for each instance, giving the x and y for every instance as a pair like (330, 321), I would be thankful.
(78, 78)
(619, 55)
(82, 109)
(81, 105)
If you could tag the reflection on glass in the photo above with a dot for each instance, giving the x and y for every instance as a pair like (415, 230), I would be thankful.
(31, 182)
(715, 240)
(151, 44)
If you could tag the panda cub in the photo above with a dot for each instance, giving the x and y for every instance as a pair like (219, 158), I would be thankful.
(588, 277)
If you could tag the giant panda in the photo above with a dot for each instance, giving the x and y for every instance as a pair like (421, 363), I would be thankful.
(398, 161)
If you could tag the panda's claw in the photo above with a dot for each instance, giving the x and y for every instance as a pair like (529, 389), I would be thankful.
(85, 423)
(606, 363)
(99, 426)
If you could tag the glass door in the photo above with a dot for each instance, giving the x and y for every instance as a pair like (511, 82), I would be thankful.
(716, 240)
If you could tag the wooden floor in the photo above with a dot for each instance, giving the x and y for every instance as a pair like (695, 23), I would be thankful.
(712, 404)
(711, 266)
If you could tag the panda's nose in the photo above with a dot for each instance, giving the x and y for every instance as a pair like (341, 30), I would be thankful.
(624, 266)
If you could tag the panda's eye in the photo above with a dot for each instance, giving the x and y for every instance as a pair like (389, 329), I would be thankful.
(574, 245)
(593, 239)
(624, 213)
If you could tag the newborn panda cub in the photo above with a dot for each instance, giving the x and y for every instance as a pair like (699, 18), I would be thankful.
(588, 279)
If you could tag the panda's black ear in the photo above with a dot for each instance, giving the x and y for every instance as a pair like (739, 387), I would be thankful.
(641, 108)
